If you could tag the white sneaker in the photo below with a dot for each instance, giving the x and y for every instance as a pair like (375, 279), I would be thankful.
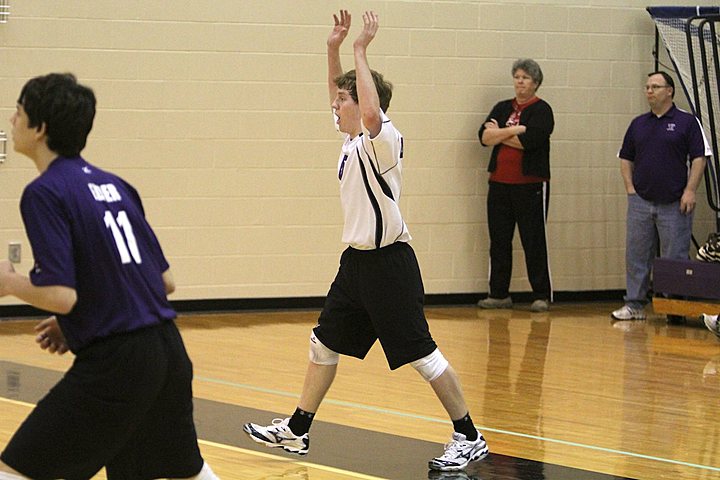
(278, 435)
(459, 452)
(628, 313)
(711, 322)
(494, 303)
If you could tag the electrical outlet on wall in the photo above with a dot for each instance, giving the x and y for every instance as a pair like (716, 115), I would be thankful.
(15, 252)
(3, 146)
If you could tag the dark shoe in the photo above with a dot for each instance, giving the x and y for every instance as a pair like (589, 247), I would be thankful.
(676, 320)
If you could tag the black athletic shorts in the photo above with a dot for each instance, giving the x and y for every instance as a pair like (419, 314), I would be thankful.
(125, 404)
(377, 294)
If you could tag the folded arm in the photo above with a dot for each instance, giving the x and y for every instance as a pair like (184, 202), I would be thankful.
(493, 134)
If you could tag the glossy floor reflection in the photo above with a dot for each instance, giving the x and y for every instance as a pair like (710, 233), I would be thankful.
(372, 453)
(567, 394)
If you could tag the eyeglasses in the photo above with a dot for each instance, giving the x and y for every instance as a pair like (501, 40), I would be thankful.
(654, 87)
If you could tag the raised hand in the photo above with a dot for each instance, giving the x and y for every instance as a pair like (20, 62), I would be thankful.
(370, 28)
(340, 30)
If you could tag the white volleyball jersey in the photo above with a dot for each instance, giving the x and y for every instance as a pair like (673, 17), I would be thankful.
(370, 173)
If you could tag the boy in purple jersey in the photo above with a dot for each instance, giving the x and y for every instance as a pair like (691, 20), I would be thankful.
(126, 402)
(377, 293)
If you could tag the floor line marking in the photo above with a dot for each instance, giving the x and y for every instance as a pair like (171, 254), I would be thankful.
(270, 456)
(17, 402)
(245, 451)
(426, 418)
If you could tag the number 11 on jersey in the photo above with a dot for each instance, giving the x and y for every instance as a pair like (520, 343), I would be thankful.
(126, 245)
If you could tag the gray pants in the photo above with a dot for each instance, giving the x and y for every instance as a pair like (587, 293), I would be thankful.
(646, 223)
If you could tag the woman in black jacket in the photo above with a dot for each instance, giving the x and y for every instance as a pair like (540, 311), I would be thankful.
(519, 130)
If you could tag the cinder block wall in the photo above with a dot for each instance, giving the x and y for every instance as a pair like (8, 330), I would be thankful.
(218, 113)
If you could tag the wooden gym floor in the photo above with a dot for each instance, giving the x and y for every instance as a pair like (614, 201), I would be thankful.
(567, 394)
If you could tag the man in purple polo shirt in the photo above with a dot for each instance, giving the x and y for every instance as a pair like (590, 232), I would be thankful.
(662, 160)
(126, 402)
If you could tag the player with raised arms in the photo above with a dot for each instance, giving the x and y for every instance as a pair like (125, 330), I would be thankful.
(378, 291)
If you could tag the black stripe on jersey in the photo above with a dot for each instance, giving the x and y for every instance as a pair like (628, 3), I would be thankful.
(375, 205)
(342, 167)
(381, 181)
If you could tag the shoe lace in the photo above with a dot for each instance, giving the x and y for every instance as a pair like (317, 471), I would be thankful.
(280, 424)
(454, 448)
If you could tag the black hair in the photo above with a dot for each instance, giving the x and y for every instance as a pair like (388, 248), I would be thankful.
(64, 107)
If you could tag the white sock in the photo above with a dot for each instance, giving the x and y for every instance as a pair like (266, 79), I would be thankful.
(10, 476)
(205, 474)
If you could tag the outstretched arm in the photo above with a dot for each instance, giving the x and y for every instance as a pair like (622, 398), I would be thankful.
(368, 99)
(335, 39)
(54, 298)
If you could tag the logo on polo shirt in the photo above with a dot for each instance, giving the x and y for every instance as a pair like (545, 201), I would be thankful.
(670, 127)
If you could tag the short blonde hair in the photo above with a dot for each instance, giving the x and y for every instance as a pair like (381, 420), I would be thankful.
(347, 81)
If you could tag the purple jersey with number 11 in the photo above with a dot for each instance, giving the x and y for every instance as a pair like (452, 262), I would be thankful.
(87, 230)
